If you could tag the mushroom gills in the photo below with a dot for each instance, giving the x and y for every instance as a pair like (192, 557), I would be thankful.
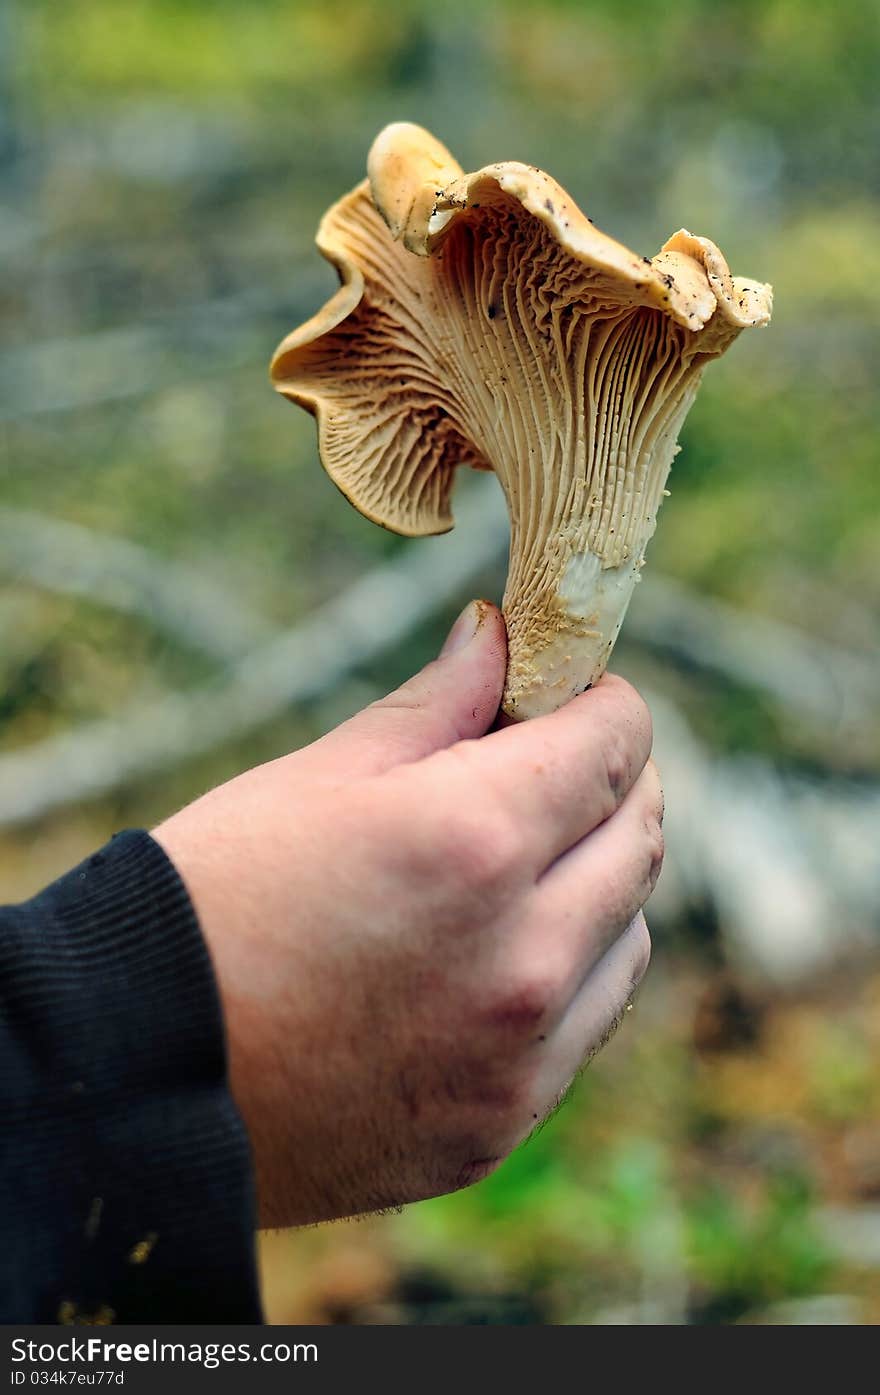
(483, 320)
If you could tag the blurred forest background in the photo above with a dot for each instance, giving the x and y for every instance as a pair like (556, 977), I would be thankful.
(184, 593)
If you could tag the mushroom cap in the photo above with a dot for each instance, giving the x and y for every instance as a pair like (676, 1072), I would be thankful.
(365, 384)
(482, 319)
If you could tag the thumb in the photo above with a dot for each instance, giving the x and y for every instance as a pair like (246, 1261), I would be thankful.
(451, 699)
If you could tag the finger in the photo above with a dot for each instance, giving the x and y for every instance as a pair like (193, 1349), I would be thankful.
(595, 1013)
(590, 896)
(561, 776)
(452, 699)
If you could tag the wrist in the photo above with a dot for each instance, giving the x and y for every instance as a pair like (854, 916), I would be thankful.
(235, 931)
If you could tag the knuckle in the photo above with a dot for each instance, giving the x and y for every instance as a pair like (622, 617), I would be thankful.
(643, 719)
(657, 799)
(655, 848)
(526, 1003)
(641, 950)
(475, 1169)
(498, 1112)
(497, 1097)
(494, 1113)
(616, 766)
(484, 849)
(639, 714)
(463, 1162)
(629, 701)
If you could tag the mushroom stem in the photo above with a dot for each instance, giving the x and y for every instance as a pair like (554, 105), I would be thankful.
(576, 556)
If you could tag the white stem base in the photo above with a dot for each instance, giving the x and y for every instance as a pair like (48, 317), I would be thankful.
(590, 605)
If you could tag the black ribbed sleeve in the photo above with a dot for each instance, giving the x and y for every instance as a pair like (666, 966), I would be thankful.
(125, 1181)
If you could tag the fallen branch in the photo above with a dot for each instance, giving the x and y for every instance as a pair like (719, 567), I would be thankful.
(108, 365)
(174, 597)
(816, 680)
(297, 666)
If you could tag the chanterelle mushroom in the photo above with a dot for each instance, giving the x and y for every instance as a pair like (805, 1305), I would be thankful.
(483, 320)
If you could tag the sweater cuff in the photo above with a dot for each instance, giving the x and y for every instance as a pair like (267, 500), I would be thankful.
(130, 1170)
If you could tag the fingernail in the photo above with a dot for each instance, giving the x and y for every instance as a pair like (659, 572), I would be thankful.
(463, 631)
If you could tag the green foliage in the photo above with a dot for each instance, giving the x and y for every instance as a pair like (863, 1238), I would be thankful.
(842, 1073)
(749, 1252)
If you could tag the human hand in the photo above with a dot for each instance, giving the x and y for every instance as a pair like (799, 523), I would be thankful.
(421, 930)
